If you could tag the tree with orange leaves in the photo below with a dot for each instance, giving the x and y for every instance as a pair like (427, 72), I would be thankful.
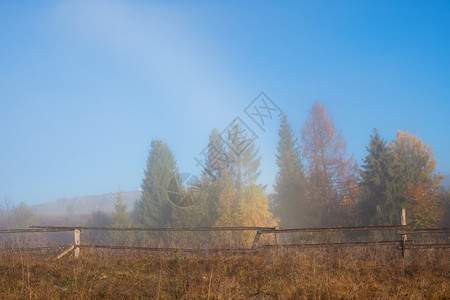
(330, 168)
(348, 202)
(424, 205)
(414, 160)
(413, 165)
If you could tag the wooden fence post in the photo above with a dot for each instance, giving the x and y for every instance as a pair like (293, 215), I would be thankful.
(256, 240)
(404, 236)
(277, 237)
(77, 238)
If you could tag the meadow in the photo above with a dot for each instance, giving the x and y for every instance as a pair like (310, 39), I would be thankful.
(316, 273)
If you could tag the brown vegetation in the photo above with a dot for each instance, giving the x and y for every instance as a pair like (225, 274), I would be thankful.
(280, 274)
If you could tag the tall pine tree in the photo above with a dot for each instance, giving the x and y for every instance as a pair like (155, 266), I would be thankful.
(290, 189)
(213, 177)
(121, 220)
(243, 160)
(216, 160)
(154, 208)
(376, 205)
(393, 176)
(241, 200)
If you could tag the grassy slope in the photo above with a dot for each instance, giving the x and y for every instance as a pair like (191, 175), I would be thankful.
(289, 274)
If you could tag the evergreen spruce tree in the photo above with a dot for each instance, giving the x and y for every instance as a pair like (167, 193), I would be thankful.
(290, 188)
(376, 205)
(213, 178)
(232, 166)
(121, 220)
(120, 215)
(154, 208)
(217, 161)
(392, 177)
(243, 160)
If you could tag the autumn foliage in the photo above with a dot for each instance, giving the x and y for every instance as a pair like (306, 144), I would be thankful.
(424, 206)
(330, 168)
(250, 209)
(318, 183)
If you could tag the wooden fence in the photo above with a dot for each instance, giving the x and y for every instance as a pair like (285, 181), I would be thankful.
(402, 244)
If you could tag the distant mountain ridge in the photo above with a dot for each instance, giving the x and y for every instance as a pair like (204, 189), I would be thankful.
(105, 202)
(86, 204)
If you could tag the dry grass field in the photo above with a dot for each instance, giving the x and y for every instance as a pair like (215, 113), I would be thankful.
(363, 272)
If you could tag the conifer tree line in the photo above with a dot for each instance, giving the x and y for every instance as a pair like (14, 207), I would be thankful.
(318, 184)
(230, 192)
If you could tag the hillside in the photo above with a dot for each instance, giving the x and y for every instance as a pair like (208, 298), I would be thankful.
(86, 204)
(105, 202)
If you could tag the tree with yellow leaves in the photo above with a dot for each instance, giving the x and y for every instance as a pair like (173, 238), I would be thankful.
(228, 208)
(413, 165)
(424, 205)
(413, 160)
(254, 211)
(250, 209)
(228, 212)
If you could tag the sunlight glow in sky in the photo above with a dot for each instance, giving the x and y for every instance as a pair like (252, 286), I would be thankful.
(86, 85)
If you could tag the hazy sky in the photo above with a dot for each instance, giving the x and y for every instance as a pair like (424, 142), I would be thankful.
(86, 85)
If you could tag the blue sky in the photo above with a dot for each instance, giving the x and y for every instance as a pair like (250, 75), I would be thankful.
(86, 85)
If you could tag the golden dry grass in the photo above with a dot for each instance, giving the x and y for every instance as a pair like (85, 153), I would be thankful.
(276, 274)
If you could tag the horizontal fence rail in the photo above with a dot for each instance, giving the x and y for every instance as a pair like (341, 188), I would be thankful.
(31, 230)
(429, 230)
(154, 228)
(402, 244)
(35, 248)
(426, 246)
(350, 244)
(168, 249)
(330, 229)
(402, 230)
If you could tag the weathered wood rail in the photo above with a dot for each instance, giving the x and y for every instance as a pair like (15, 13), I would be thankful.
(402, 244)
